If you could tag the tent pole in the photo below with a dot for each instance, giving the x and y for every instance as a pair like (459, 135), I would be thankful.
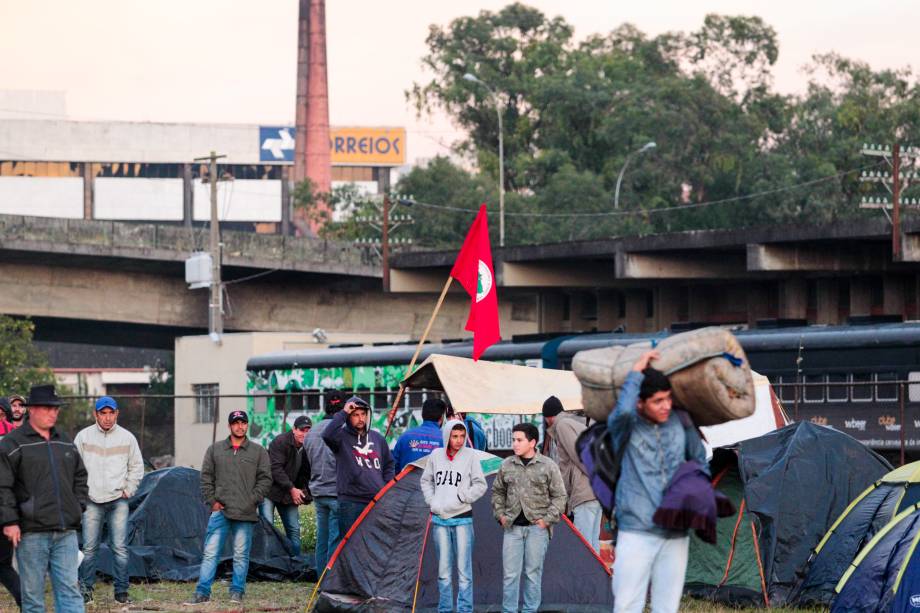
(402, 388)
(421, 555)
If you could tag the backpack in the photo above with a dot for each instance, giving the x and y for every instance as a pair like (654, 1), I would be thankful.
(595, 450)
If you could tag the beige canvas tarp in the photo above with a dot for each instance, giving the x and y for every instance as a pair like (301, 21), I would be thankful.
(492, 387)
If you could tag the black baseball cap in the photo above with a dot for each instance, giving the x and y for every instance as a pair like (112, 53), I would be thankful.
(359, 403)
(237, 416)
(303, 422)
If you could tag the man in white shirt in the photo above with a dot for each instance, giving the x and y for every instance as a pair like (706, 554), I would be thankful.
(115, 467)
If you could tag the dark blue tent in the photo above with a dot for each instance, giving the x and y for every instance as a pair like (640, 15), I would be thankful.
(885, 576)
(166, 531)
(863, 518)
(388, 564)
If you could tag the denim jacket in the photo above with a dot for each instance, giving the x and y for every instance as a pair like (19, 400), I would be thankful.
(654, 453)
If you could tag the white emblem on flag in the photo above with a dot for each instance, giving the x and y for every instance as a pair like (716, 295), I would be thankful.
(484, 284)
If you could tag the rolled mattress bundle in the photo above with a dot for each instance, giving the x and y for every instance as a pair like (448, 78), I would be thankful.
(709, 373)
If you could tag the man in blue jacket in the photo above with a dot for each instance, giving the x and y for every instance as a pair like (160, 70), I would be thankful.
(420, 441)
(362, 460)
(656, 445)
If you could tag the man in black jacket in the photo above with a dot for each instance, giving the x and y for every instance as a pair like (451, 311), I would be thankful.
(43, 491)
(290, 476)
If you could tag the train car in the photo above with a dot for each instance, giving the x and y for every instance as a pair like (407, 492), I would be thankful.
(846, 377)
(840, 376)
(291, 382)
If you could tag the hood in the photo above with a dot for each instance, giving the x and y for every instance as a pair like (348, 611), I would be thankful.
(448, 426)
(367, 427)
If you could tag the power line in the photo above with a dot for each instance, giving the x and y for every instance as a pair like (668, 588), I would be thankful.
(680, 207)
(251, 277)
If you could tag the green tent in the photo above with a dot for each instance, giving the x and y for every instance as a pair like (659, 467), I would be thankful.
(788, 487)
(730, 571)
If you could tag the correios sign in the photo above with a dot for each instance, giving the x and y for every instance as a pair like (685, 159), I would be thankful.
(348, 146)
(368, 146)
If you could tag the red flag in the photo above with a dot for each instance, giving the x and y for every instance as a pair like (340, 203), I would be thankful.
(473, 269)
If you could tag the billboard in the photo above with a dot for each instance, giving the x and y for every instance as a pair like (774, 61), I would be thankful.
(368, 146)
(349, 146)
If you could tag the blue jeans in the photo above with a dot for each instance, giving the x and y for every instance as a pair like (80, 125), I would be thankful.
(41, 553)
(588, 522)
(523, 547)
(290, 519)
(219, 527)
(115, 514)
(454, 542)
(327, 529)
(348, 515)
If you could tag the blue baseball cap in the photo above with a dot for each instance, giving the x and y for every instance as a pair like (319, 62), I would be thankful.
(106, 402)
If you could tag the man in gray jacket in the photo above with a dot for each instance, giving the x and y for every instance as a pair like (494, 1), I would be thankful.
(564, 428)
(322, 482)
(528, 497)
(451, 482)
(235, 477)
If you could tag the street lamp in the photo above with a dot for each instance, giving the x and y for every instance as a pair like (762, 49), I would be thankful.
(501, 157)
(646, 147)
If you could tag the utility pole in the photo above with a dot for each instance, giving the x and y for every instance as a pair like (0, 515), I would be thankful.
(386, 224)
(385, 239)
(216, 300)
(895, 183)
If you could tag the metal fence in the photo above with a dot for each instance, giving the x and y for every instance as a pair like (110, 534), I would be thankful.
(881, 414)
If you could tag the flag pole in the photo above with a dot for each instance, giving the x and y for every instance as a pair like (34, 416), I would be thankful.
(402, 388)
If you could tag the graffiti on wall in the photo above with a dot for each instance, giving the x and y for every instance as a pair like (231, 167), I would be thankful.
(376, 384)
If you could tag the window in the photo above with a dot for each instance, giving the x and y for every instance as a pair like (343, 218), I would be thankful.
(312, 401)
(288, 400)
(838, 392)
(786, 392)
(382, 399)
(260, 404)
(887, 392)
(207, 402)
(913, 390)
(813, 393)
(862, 393)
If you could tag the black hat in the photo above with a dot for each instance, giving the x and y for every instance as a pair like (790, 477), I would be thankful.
(335, 401)
(237, 416)
(303, 422)
(552, 406)
(359, 402)
(43, 396)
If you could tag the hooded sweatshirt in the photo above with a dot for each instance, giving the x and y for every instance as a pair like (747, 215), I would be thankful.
(363, 462)
(452, 484)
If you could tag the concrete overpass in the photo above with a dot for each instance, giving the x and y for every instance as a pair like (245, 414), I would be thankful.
(123, 283)
(822, 274)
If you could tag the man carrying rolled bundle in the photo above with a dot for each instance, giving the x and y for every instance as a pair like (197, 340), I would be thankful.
(656, 444)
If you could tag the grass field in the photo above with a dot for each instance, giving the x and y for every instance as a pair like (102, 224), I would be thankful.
(267, 596)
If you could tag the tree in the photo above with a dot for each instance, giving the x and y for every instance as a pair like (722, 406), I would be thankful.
(574, 112)
(22, 365)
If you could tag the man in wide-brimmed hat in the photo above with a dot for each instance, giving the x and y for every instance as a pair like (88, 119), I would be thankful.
(43, 492)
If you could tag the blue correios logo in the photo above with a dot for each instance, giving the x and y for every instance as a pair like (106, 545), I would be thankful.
(276, 144)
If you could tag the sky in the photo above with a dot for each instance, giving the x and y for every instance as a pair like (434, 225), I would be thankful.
(231, 61)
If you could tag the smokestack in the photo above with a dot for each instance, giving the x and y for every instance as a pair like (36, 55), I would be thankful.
(311, 149)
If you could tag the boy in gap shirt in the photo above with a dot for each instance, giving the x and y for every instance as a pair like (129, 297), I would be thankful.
(451, 482)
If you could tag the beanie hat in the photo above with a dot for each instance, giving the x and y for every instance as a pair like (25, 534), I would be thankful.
(552, 406)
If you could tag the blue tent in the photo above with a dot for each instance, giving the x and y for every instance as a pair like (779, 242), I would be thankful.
(885, 576)
(863, 518)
